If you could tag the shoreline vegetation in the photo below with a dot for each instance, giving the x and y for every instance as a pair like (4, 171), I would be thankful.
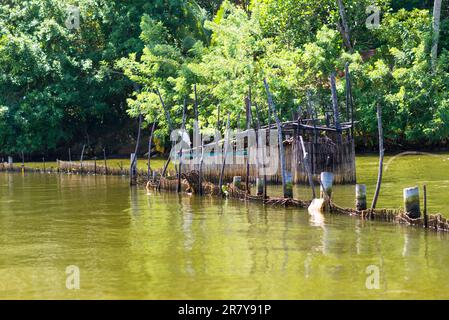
(141, 60)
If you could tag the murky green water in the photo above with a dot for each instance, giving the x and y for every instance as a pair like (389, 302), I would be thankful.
(128, 244)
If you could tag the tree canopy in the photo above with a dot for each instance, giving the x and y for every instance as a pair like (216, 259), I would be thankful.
(62, 86)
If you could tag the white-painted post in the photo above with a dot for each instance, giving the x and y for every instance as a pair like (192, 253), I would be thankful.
(327, 179)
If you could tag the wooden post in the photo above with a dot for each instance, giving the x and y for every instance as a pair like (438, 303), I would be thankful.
(23, 163)
(280, 140)
(183, 125)
(170, 129)
(264, 181)
(81, 158)
(307, 166)
(326, 179)
(349, 99)
(248, 127)
(288, 185)
(105, 162)
(10, 162)
(237, 182)
(95, 165)
(133, 166)
(225, 152)
(411, 202)
(335, 106)
(381, 156)
(70, 160)
(260, 186)
(149, 148)
(43, 161)
(360, 197)
(200, 169)
(426, 218)
(200, 172)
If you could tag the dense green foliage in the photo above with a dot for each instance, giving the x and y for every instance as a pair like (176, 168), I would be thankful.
(61, 86)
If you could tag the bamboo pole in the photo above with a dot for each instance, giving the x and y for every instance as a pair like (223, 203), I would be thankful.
(225, 152)
(381, 156)
(280, 141)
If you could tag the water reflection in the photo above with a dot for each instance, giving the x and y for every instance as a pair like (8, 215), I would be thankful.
(132, 245)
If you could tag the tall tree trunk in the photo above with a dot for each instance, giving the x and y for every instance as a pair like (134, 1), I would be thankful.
(436, 31)
(343, 27)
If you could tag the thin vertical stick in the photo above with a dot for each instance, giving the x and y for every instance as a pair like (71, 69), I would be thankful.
(426, 218)
(183, 125)
(248, 127)
(263, 152)
(43, 160)
(81, 158)
(280, 141)
(350, 100)
(170, 128)
(335, 106)
(133, 171)
(381, 156)
(307, 167)
(197, 127)
(225, 152)
(70, 160)
(150, 140)
(105, 162)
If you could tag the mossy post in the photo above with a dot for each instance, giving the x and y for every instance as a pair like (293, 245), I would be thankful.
(327, 179)
(411, 202)
(237, 182)
(360, 197)
(288, 185)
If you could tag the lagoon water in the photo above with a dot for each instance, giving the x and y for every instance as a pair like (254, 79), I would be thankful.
(130, 244)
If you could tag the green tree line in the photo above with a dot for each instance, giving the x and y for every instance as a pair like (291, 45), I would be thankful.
(61, 86)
